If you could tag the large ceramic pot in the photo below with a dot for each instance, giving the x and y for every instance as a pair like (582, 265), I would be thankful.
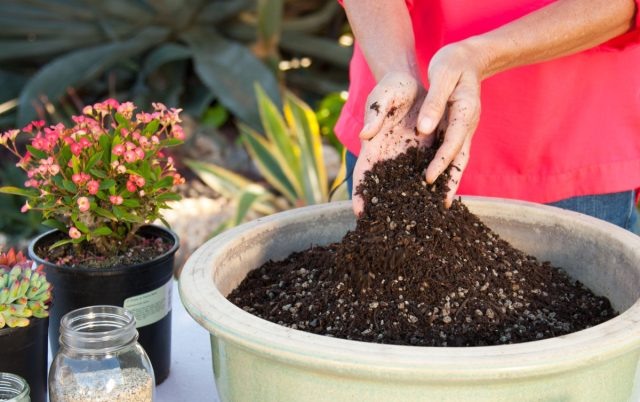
(144, 289)
(256, 360)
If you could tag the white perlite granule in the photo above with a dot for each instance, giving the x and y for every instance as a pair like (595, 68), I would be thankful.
(126, 385)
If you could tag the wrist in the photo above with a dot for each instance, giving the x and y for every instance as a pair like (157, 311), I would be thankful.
(399, 65)
(482, 54)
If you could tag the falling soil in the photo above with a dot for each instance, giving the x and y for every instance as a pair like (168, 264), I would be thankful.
(416, 273)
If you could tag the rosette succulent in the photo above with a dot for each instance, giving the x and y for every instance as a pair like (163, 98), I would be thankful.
(24, 292)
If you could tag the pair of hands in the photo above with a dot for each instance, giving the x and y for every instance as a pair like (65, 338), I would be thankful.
(399, 115)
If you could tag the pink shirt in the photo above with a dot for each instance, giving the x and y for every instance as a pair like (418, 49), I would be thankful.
(548, 131)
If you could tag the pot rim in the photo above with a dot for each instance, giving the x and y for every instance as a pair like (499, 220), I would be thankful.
(221, 318)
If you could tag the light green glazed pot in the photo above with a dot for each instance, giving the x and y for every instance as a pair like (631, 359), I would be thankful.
(256, 360)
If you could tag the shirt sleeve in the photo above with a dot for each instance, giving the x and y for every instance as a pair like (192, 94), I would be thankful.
(630, 38)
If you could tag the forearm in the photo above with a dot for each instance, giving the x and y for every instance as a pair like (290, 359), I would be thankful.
(559, 29)
(384, 33)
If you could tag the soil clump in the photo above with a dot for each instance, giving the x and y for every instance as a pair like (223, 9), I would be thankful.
(416, 273)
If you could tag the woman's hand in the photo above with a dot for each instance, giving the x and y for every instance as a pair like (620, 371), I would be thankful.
(387, 144)
(389, 102)
(455, 73)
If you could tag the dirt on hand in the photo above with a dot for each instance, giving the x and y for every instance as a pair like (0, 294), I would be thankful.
(416, 273)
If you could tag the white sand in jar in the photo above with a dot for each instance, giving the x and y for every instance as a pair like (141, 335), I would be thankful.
(126, 385)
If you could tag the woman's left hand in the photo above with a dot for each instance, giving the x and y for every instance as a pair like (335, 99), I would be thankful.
(455, 73)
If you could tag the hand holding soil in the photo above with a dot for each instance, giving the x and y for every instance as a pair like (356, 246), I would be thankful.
(388, 143)
(455, 72)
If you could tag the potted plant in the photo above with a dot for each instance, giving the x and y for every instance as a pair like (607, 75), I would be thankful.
(100, 183)
(25, 296)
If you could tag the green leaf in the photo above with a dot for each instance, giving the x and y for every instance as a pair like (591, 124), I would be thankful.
(103, 213)
(98, 173)
(269, 22)
(229, 70)
(36, 152)
(21, 49)
(61, 243)
(145, 170)
(278, 133)
(102, 231)
(105, 145)
(215, 116)
(19, 191)
(151, 128)
(120, 119)
(218, 178)
(81, 226)
(125, 216)
(131, 203)
(93, 160)
(171, 142)
(247, 199)
(69, 186)
(79, 67)
(271, 168)
(165, 182)
(168, 197)
(303, 119)
(107, 184)
(161, 55)
(52, 223)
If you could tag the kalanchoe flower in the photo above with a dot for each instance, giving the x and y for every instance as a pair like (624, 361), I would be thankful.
(116, 199)
(92, 174)
(83, 204)
(93, 186)
(24, 292)
(74, 233)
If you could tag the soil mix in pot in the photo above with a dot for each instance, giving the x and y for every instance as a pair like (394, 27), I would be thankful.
(143, 249)
(416, 273)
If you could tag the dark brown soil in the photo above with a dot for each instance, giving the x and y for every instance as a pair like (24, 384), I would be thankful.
(142, 250)
(416, 273)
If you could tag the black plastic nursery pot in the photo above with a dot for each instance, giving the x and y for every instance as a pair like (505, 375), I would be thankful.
(144, 289)
(24, 351)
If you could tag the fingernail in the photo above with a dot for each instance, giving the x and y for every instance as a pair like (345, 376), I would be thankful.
(426, 125)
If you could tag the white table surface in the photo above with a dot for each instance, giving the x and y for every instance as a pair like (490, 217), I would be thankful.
(191, 375)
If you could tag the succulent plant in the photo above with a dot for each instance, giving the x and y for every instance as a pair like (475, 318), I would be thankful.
(24, 291)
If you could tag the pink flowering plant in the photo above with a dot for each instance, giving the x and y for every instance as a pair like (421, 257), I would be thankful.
(103, 178)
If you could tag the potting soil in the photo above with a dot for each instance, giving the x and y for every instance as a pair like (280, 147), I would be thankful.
(416, 273)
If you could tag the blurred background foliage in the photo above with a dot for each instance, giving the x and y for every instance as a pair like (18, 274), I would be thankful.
(204, 56)
(289, 156)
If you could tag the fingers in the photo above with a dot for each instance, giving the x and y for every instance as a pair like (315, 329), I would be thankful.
(433, 108)
(455, 172)
(362, 165)
(464, 113)
(388, 103)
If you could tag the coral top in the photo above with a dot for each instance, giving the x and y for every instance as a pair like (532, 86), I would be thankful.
(548, 131)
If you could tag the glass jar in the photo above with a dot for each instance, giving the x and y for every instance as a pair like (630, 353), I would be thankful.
(100, 358)
(13, 388)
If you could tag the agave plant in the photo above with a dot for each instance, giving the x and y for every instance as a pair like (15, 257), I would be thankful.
(289, 157)
(73, 43)
(24, 292)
